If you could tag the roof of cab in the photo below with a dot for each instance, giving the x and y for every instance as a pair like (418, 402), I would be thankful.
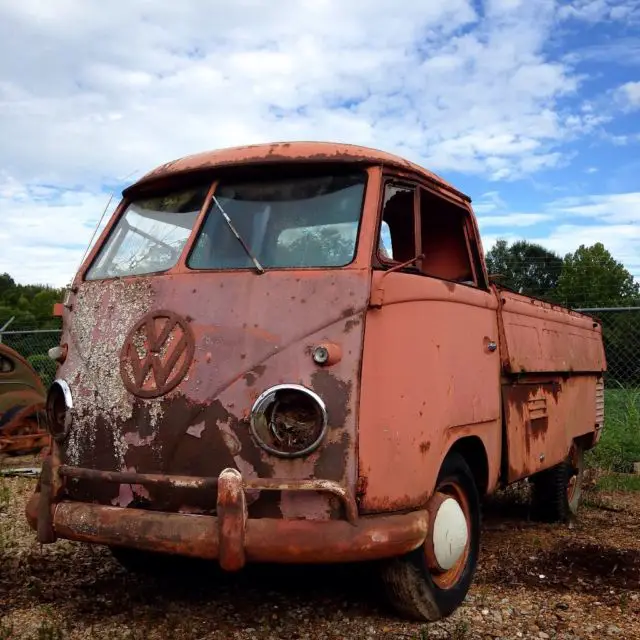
(287, 152)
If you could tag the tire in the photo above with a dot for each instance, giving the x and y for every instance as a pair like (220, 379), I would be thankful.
(557, 491)
(411, 587)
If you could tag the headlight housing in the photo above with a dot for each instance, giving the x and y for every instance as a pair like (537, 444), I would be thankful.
(289, 420)
(58, 406)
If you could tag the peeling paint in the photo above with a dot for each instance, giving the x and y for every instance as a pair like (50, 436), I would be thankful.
(196, 430)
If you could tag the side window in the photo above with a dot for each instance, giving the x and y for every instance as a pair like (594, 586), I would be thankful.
(444, 240)
(6, 365)
(397, 232)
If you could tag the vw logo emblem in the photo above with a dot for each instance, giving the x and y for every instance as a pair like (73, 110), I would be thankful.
(156, 354)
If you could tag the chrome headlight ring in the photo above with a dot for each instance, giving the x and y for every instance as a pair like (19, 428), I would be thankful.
(289, 420)
(59, 400)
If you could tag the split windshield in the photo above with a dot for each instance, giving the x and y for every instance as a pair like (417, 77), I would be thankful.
(289, 222)
(150, 235)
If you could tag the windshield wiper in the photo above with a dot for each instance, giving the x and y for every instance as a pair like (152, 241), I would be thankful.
(259, 267)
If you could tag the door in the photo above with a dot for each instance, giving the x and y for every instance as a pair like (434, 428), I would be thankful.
(430, 370)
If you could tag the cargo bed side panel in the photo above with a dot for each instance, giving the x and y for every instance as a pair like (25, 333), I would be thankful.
(538, 337)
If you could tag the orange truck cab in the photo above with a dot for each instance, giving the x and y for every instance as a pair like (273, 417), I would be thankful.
(292, 353)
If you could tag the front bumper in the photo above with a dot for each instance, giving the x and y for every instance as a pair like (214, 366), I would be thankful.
(230, 537)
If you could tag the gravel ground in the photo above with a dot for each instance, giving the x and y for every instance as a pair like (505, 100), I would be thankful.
(534, 581)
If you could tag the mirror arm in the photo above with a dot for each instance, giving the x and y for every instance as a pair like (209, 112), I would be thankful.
(377, 295)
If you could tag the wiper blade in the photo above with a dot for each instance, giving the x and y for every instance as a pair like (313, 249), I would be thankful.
(258, 266)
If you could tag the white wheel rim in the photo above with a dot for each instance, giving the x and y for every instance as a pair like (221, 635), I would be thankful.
(450, 534)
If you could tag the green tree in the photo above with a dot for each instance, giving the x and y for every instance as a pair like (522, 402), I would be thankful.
(591, 277)
(525, 267)
(321, 247)
(7, 283)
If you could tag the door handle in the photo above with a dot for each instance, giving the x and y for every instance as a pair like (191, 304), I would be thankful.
(492, 346)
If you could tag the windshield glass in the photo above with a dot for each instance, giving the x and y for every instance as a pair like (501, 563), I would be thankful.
(150, 235)
(285, 222)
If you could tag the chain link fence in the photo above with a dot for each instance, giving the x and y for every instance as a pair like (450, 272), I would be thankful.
(621, 335)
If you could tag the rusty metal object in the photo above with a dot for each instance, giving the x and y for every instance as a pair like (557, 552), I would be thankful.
(265, 539)
(22, 397)
(542, 338)
(291, 152)
(46, 532)
(410, 360)
(211, 484)
(149, 349)
(231, 513)
(544, 415)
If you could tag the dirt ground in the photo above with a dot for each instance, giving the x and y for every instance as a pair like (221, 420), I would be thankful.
(534, 581)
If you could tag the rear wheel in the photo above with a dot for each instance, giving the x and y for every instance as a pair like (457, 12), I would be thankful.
(557, 491)
(432, 581)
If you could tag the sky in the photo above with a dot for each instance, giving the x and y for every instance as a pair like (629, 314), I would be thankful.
(532, 107)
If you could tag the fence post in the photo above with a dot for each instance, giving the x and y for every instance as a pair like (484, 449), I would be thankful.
(6, 324)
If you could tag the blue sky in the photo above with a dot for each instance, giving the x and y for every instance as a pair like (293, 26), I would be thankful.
(532, 108)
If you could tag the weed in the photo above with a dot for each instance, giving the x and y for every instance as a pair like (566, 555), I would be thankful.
(461, 630)
(49, 630)
(6, 631)
(4, 496)
(619, 446)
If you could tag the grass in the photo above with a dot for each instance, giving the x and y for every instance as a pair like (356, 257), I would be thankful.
(619, 446)
(619, 482)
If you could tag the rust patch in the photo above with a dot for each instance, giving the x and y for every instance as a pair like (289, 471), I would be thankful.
(332, 462)
(424, 447)
(250, 377)
(161, 343)
(336, 394)
(349, 325)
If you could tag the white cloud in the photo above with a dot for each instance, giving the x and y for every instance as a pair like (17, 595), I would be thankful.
(617, 208)
(93, 91)
(628, 95)
(45, 233)
(613, 220)
(597, 10)
(621, 240)
(510, 220)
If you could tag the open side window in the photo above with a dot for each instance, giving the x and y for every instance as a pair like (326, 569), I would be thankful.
(417, 221)
(397, 233)
(445, 240)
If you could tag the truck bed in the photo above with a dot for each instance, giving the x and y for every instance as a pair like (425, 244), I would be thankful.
(538, 337)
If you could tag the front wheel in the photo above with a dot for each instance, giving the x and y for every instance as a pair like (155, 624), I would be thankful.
(432, 581)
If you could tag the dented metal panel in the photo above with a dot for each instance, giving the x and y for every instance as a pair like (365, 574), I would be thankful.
(285, 152)
(243, 343)
(264, 540)
(542, 417)
(429, 377)
(538, 337)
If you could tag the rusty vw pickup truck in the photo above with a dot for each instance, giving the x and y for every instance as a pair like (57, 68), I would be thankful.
(293, 353)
